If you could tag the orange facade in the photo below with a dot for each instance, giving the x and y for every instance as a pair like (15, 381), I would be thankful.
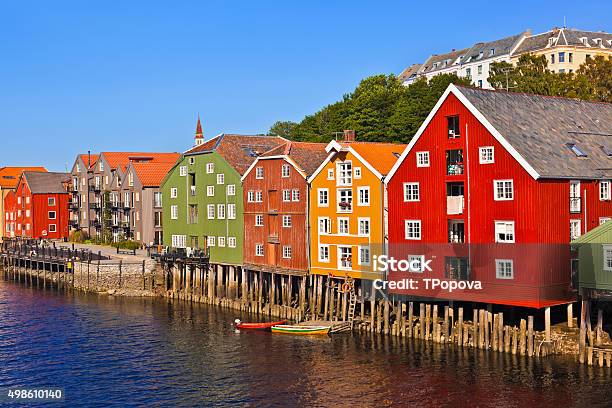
(347, 209)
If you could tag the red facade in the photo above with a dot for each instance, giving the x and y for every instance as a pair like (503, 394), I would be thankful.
(539, 209)
(31, 215)
(268, 244)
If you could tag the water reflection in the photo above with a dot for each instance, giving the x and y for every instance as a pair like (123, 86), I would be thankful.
(145, 352)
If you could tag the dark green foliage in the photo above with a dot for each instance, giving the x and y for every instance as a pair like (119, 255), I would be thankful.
(593, 81)
(380, 109)
(126, 244)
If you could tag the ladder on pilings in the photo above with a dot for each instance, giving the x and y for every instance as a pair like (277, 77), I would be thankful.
(352, 305)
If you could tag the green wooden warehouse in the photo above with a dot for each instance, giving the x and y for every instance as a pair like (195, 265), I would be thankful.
(594, 261)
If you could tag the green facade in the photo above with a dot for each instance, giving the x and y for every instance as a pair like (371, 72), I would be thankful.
(592, 271)
(197, 234)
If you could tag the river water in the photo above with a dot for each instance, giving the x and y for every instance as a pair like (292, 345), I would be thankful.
(141, 352)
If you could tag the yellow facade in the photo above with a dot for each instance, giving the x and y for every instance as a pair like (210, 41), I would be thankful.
(567, 59)
(339, 231)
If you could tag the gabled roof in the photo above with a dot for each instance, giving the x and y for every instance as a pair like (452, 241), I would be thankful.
(238, 150)
(564, 37)
(85, 159)
(594, 235)
(409, 72)
(538, 131)
(152, 173)
(379, 158)
(9, 176)
(122, 159)
(305, 157)
(46, 183)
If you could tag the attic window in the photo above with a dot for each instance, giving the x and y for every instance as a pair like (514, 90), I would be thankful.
(584, 40)
(480, 54)
(491, 52)
(577, 150)
(607, 151)
(597, 41)
(251, 152)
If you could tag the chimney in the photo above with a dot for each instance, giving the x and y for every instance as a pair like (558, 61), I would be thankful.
(349, 136)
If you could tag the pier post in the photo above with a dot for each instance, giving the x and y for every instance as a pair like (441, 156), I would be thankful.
(570, 315)
(547, 324)
(500, 337)
(530, 336)
(410, 318)
(599, 329)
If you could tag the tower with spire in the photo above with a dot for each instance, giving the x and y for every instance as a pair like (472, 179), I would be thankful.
(199, 136)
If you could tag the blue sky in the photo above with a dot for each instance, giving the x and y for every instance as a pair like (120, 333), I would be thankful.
(133, 75)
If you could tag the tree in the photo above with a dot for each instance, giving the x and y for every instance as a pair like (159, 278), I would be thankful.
(597, 72)
(282, 129)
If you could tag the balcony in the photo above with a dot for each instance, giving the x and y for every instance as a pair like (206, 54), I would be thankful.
(575, 205)
(127, 206)
(115, 205)
(455, 205)
(456, 231)
(73, 205)
(95, 189)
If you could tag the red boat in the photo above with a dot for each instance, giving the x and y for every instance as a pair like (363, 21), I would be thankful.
(257, 326)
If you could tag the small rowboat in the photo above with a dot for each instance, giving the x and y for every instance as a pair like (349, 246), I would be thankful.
(258, 326)
(301, 330)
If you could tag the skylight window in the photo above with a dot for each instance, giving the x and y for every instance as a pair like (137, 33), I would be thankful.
(607, 151)
(577, 150)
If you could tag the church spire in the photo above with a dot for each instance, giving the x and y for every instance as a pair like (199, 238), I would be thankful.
(199, 135)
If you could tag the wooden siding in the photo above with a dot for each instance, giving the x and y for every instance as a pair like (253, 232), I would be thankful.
(540, 210)
(272, 235)
(374, 212)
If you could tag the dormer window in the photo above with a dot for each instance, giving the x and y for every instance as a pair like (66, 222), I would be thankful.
(576, 150)
(597, 41)
(607, 151)
(491, 52)
(584, 41)
(551, 41)
(101, 166)
(480, 54)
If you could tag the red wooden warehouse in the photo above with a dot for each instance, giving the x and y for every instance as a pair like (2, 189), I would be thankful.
(491, 189)
(39, 206)
(276, 208)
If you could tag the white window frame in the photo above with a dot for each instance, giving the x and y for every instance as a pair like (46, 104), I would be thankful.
(210, 241)
(607, 257)
(259, 250)
(295, 195)
(483, 154)
(326, 248)
(52, 227)
(231, 211)
(575, 228)
(51, 201)
(287, 253)
(259, 172)
(231, 189)
(287, 221)
(422, 159)
(410, 194)
(221, 178)
(604, 190)
(361, 221)
(183, 171)
(361, 203)
(221, 242)
(231, 242)
(210, 211)
(258, 196)
(341, 222)
(357, 173)
(259, 220)
(220, 211)
(502, 263)
(330, 174)
(173, 192)
(250, 196)
(326, 191)
(340, 265)
(54, 215)
(326, 221)
(421, 259)
(415, 237)
(210, 191)
(504, 196)
(286, 196)
(505, 224)
(174, 212)
(285, 171)
(210, 168)
(345, 176)
(603, 220)
(360, 260)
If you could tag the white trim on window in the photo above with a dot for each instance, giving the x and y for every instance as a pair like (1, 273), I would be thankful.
(504, 269)
(486, 154)
(422, 159)
(604, 190)
(412, 192)
(503, 190)
(412, 229)
(505, 232)
(363, 196)
(325, 203)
